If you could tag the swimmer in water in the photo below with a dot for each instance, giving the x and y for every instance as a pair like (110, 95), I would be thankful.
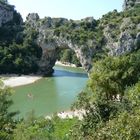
(30, 95)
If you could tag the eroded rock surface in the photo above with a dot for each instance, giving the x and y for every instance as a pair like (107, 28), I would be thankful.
(50, 43)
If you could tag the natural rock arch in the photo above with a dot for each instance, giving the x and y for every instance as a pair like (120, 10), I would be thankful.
(50, 50)
(51, 44)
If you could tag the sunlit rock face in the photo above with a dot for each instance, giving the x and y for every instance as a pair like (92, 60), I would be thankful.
(117, 39)
(51, 44)
(126, 42)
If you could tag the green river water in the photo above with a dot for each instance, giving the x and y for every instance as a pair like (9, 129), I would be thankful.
(50, 94)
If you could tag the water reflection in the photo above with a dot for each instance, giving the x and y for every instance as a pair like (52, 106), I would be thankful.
(63, 73)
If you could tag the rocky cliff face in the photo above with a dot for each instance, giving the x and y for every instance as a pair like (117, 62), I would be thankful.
(128, 4)
(6, 13)
(51, 44)
(126, 40)
(118, 38)
(119, 33)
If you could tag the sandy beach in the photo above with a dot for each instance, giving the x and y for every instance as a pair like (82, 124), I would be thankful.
(65, 64)
(15, 80)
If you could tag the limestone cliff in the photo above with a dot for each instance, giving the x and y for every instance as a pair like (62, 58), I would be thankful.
(114, 34)
(51, 43)
(126, 40)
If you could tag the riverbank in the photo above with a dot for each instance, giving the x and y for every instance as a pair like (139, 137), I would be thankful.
(16, 80)
(65, 64)
(70, 114)
(13, 80)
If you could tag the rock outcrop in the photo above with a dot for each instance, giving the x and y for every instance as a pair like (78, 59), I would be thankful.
(51, 43)
(124, 41)
(86, 37)
(128, 4)
(6, 13)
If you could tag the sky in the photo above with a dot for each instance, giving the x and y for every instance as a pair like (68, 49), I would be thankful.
(71, 9)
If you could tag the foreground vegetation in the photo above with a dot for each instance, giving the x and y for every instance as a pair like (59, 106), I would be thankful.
(111, 104)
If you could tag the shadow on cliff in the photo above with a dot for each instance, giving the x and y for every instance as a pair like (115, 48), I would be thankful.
(63, 73)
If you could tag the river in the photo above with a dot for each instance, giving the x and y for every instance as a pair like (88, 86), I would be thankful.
(50, 94)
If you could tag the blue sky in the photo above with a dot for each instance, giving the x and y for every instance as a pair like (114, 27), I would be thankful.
(71, 9)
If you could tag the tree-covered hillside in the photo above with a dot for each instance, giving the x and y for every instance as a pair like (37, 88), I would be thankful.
(104, 32)
(19, 52)
(116, 33)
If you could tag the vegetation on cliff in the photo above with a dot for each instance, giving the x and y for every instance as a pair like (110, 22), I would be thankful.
(116, 33)
(20, 47)
(82, 32)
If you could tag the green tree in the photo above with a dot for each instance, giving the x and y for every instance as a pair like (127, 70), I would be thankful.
(107, 98)
(66, 56)
(7, 124)
(43, 129)
(127, 124)
(39, 129)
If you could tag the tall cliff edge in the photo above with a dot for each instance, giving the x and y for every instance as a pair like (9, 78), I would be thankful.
(37, 42)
